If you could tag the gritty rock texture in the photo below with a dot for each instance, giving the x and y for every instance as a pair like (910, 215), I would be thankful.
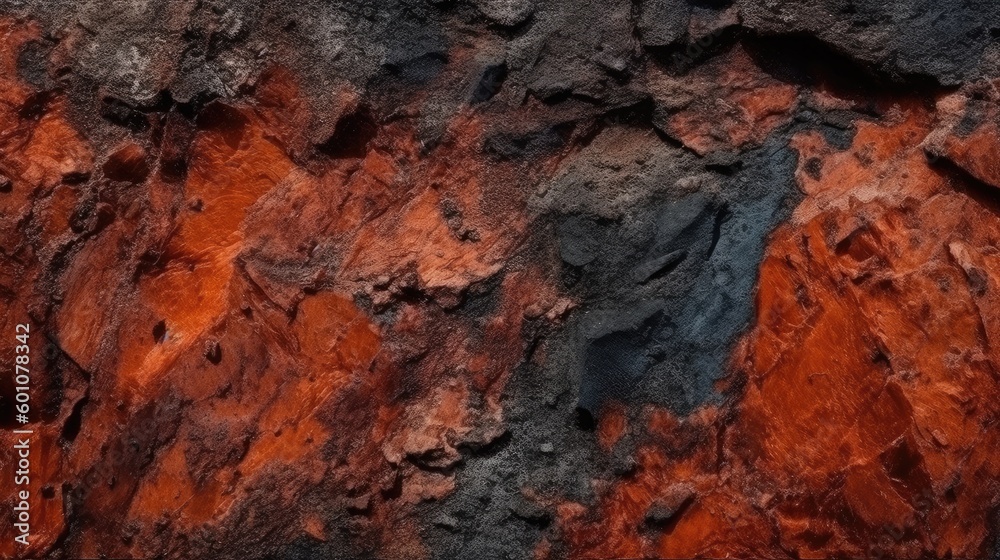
(948, 42)
(503, 278)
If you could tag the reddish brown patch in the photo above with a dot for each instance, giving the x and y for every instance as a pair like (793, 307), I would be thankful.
(612, 426)
(977, 151)
(726, 103)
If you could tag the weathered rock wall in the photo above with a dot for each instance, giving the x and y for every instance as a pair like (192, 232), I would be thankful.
(503, 279)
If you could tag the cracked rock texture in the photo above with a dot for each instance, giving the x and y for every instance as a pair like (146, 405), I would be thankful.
(503, 278)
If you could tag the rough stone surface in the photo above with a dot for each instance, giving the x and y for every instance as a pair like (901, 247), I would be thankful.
(503, 278)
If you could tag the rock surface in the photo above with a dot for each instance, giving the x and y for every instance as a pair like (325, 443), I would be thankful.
(503, 278)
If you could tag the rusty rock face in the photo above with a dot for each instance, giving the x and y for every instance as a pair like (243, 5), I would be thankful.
(489, 279)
